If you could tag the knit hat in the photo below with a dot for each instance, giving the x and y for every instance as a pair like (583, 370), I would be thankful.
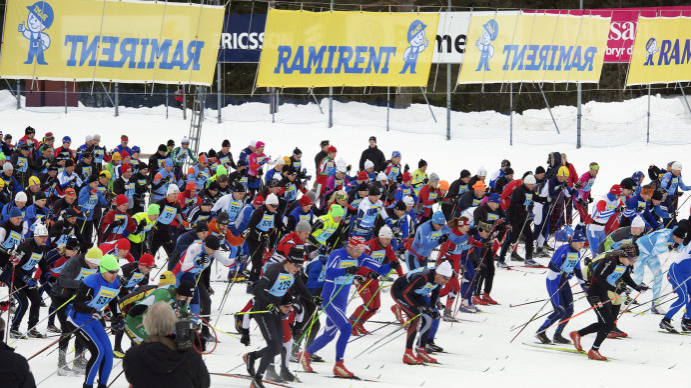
(303, 226)
(368, 164)
(40, 231)
(297, 151)
(162, 148)
(121, 200)
(508, 171)
(225, 143)
(167, 278)
(147, 260)
(311, 195)
(153, 209)
(70, 193)
(331, 150)
(578, 236)
(385, 232)
(539, 170)
(658, 195)
(123, 244)
(105, 174)
(258, 200)
(202, 226)
(421, 163)
(373, 191)
(443, 185)
(272, 199)
(409, 201)
(357, 242)
(15, 212)
(564, 171)
(70, 213)
(7, 167)
(445, 269)
(296, 255)
(20, 197)
(480, 186)
(93, 255)
(173, 189)
(465, 174)
(407, 177)
(382, 177)
(168, 163)
(363, 187)
(400, 205)
(434, 178)
(116, 156)
(494, 197)
(529, 180)
(92, 178)
(124, 154)
(438, 218)
(39, 196)
(363, 176)
(184, 140)
(67, 139)
(190, 186)
(186, 289)
(69, 163)
(638, 222)
(72, 244)
(336, 211)
(108, 263)
(125, 168)
(680, 232)
(170, 143)
(305, 201)
(212, 242)
(97, 137)
(222, 218)
(481, 171)
(627, 183)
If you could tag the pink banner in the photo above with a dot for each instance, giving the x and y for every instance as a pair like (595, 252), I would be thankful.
(622, 28)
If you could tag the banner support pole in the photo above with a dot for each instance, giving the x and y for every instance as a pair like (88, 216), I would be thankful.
(647, 135)
(388, 105)
(549, 109)
(579, 90)
(684, 94)
(117, 99)
(331, 92)
(428, 105)
(511, 113)
(19, 99)
(448, 93)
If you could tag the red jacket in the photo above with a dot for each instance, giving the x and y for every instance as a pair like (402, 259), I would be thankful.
(289, 241)
(428, 197)
(111, 249)
(380, 255)
(116, 232)
(506, 193)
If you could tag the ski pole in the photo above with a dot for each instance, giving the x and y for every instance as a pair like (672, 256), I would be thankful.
(379, 328)
(9, 322)
(541, 300)
(8, 295)
(381, 285)
(543, 315)
(538, 312)
(669, 293)
(588, 309)
(59, 338)
(49, 315)
(116, 377)
(387, 336)
(639, 294)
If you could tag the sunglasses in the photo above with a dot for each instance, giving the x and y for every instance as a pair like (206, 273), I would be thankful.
(595, 167)
(149, 266)
(115, 272)
(445, 277)
(271, 204)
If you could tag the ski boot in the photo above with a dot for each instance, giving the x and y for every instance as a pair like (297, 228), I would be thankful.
(576, 338)
(79, 365)
(433, 348)
(529, 262)
(398, 313)
(316, 358)
(17, 334)
(469, 309)
(425, 357)
(488, 299)
(288, 377)
(594, 354)
(118, 353)
(477, 299)
(33, 333)
(516, 257)
(54, 329)
(448, 315)
(410, 358)
(686, 324)
(271, 375)
(341, 371)
(249, 359)
(619, 333)
(502, 264)
(257, 382)
(542, 337)
(559, 339)
(304, 359)
(539, 252)
(63, 370)
(658, 310)
(666, 324)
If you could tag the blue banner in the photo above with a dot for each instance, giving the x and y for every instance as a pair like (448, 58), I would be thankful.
(242, 38)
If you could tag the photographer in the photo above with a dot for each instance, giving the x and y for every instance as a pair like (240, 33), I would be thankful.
(157, 362)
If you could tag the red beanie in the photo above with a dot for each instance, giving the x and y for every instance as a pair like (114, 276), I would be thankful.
(147, 260)
(258, 200)
(123, 243)
(121, 200)
(191, 186)
(124, 154)
(124, 168)
(305, 201)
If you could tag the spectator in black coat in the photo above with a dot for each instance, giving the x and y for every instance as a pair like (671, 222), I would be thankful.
(14, 369)
(157, 362)
(325, 144)
(374, 154)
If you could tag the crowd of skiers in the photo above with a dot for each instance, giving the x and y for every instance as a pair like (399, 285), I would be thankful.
(87, 225)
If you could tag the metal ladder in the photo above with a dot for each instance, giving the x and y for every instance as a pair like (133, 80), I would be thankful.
(197, 120)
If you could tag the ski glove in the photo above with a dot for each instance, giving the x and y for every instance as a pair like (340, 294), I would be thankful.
(117, 324)
(29, 281)
(318, 300)
(352, 270)
(395, 264)
(97, 315)
(642, 287)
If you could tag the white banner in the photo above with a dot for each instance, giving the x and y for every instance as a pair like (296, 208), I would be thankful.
(450, 42)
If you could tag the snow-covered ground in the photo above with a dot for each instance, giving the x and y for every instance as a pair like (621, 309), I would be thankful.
(480, 354)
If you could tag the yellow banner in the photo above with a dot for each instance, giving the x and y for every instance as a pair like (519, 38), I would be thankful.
(534, 48)
(84, 40)
(661, 51)
(307, 49)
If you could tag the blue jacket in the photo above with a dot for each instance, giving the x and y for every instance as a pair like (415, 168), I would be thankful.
(564, 264)
(87, 201)
(426, 238)
(633, 205)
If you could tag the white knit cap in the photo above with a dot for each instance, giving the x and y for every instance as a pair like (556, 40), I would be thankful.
(368, 164)
(272, 199)
(637, 222)
(173, 189)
